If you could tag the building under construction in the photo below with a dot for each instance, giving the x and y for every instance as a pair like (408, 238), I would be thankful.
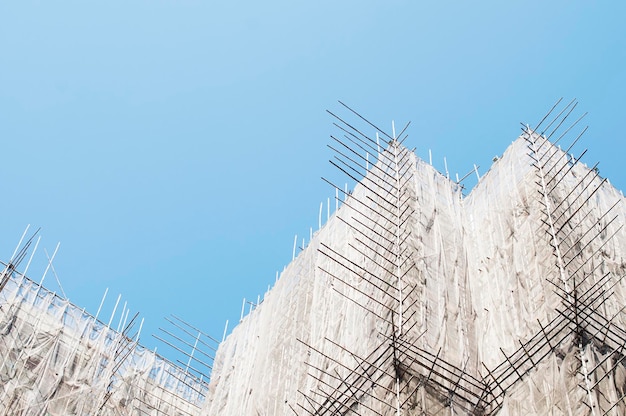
(417, 297)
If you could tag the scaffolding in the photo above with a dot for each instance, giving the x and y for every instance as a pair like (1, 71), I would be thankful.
(415, 298)
(404, 374)
(56, 359)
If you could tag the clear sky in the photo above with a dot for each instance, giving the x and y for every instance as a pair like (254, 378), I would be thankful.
(175, 148)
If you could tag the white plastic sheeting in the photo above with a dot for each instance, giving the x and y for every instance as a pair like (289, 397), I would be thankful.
(57, 360)
(500, 314)
(413, 299)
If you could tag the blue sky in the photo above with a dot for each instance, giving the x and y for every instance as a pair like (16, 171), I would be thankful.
(175, 148)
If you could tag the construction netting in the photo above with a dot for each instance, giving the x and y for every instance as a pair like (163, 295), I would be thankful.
(58, 360)
(414, 299)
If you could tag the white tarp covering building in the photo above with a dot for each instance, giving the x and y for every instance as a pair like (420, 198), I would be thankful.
(413, 299)
(55, 360)
(417, 300)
